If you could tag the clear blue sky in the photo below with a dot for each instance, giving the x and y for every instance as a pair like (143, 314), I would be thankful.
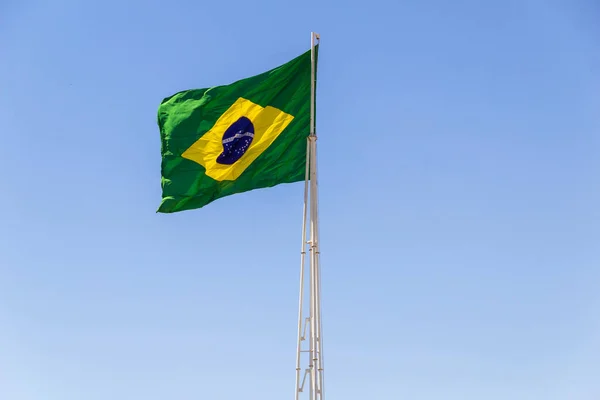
(460, 197)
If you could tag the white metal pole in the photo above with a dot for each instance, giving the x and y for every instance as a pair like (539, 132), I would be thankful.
(313, 377)
(320, 365)
(315, 285)
(313, 282)
(312, 341)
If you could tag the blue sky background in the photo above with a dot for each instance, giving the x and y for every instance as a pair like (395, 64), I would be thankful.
(460, 203)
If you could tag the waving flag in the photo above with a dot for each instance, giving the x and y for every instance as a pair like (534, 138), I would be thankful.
(229, 139)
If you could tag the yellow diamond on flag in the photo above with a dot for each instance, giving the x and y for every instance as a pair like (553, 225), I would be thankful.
(238, 137)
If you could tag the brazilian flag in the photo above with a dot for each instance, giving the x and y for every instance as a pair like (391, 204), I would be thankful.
(229, 139)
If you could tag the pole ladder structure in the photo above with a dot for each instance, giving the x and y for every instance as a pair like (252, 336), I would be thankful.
(310, 378)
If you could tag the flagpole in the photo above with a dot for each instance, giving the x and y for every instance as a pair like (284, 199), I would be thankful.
(314, 372)
(316, 367)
